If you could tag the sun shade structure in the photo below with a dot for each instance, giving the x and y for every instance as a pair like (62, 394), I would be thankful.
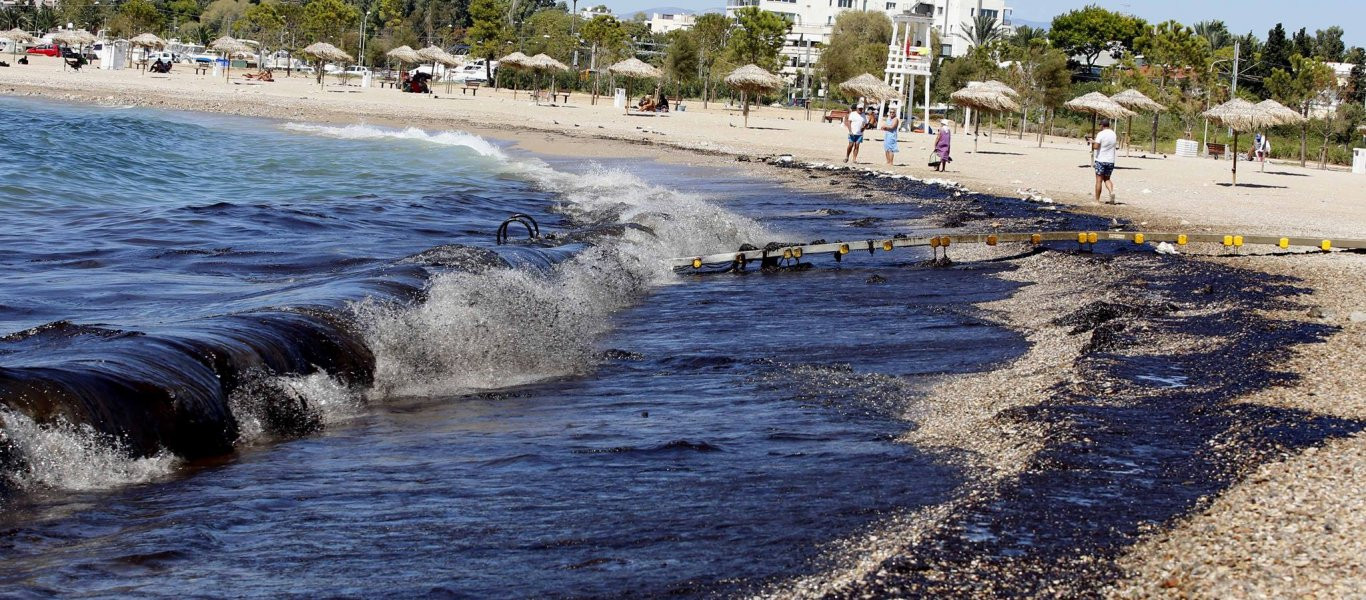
(17, 36)
(869, 87)
(147, 40)
(1098, 105)
(634, 68)
(1240, 115)
(986, 98)
(437, 55)
(73, 37)
(1134, 100)
(752, 80)
(1280, 112)
(323, 52)
(543, 63)
(992, 85)
(403, 55)
(230, 47)
(515, 62)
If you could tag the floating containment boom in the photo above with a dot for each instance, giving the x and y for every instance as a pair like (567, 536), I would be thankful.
(1085, 238)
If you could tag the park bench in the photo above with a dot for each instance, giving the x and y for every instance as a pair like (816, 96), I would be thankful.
(472, 88)
(1216, 150)
(835, 116)
(201, 68)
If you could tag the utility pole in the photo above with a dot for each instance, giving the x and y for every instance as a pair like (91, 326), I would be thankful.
(573, 28)
(362, 36)
(1236, 56)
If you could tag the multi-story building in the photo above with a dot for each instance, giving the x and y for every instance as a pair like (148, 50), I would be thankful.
(666, 22)
(814, 20)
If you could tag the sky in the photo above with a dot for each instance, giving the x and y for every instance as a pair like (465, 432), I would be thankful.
(1242, 16)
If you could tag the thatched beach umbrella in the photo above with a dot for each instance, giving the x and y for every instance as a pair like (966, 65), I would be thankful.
(439, 56)
(869, 87)
(544, 63)
(515, 62)
(229, 46)
(750, 79)
(983, 98)
(1240, 115)
(404, 55)
(1134, 100)
(17, 36)
(634, 68)
(146, 41)
(73, 37)
(323, 52)
(1280, 112)
(991, 85)
(1097, 105)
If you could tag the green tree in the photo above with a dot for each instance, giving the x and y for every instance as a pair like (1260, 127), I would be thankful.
(1302, 43)
(605, 35)
(1307, 81)
(1275, 53)
(858, 44)
(219, 16)
(1215, 33)
(184, 11)
(758, 37)
(682, 60)
(1089, 31)
(1328, 43)
(712, 33)
(1174, 49)
(261, 21)
(1356, 83)
(1041, 72)
(547, 31)
(326, 20)
(489, 31)
(1025, 35)
(391, 13)
(984, 29)
(138, 16)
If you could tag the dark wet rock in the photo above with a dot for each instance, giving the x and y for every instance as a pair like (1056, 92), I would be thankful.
(876, 279)
(748, 247)
(743, 158)
(1109, 337)
(865, 222)
(1096, 313)
(830, 212)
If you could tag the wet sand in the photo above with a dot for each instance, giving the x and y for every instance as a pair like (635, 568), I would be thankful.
(1285, 522)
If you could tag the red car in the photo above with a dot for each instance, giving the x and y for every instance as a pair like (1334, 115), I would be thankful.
(45, 50)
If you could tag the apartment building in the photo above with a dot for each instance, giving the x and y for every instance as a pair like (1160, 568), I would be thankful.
(666, 22)
(813, 22)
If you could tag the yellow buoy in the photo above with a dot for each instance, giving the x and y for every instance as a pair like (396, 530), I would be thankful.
(697, 263)
(934, 242)
(1181, 240)
(887, 246)
(1238, 240)
(1081, 237)
(991, 240)
(1326, 245)
(787, 253)
(844, 248)
(797, 252)
(1036, 239)
(1284, 243)
(1228, 240)
(1138, 238)
(946, 241)
(1092, 237)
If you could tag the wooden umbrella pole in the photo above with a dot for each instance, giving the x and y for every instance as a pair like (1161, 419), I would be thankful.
(1155, 117)
(744, 97)
(1235, 157)
(976, 130)
(1129, 137)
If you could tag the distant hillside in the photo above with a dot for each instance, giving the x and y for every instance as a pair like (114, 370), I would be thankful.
(1016, 21)
(674, 10)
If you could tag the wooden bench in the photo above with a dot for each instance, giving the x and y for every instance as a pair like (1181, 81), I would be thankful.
(384, 83)
(202, 68)
(1216, 150)
(832, 116)
(472, 88)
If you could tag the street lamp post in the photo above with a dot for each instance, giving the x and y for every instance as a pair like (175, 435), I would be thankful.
(573, 23)
(362, 36)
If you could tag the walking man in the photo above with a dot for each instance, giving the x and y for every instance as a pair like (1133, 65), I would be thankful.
(1105, 145)
(853, 123)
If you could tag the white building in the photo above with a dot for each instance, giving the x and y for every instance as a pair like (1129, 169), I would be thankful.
(666, 22)
(813, 21)
(587, 14)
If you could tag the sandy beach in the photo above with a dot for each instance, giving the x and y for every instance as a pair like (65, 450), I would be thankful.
(1288, 527)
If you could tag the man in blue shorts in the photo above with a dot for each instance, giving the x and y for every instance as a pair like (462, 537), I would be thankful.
(1105, 145)
(853, 124)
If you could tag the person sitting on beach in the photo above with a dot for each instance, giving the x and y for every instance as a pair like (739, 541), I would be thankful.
(942, 141)
(853, 125)
(647, 104)
(160, 66)
(663, 104)
(265, 76)
(23, 60)
(1261, 147)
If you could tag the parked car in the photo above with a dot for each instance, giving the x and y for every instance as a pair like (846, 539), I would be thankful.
(356, 71)
(44, 49)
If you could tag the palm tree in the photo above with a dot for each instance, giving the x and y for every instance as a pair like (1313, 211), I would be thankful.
(983, 30)
(1214, 32)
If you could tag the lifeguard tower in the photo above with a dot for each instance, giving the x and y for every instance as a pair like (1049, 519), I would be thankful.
(909, 56)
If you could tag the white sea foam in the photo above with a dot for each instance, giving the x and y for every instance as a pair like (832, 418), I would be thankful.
(369, 132)
(510, 327)
(63, 456)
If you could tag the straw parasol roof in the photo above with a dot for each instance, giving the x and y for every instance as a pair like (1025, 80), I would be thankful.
(74, 37)
(229, 45)
(147, 40)
(993, 86)
(18, 36)
(545, 62)
(438, 55)
(326, 51)
(634, 67)
(515, 60)
(984, 98)
(870, 87)
(1282, 113)
(1098, 104)
(750, 79)
(1241, 115)
(404, 54)
(1134, 100)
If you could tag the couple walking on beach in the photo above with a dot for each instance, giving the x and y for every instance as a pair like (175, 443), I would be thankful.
(855, 123)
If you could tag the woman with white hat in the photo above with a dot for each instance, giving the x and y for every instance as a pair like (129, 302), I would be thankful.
(940, 159)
